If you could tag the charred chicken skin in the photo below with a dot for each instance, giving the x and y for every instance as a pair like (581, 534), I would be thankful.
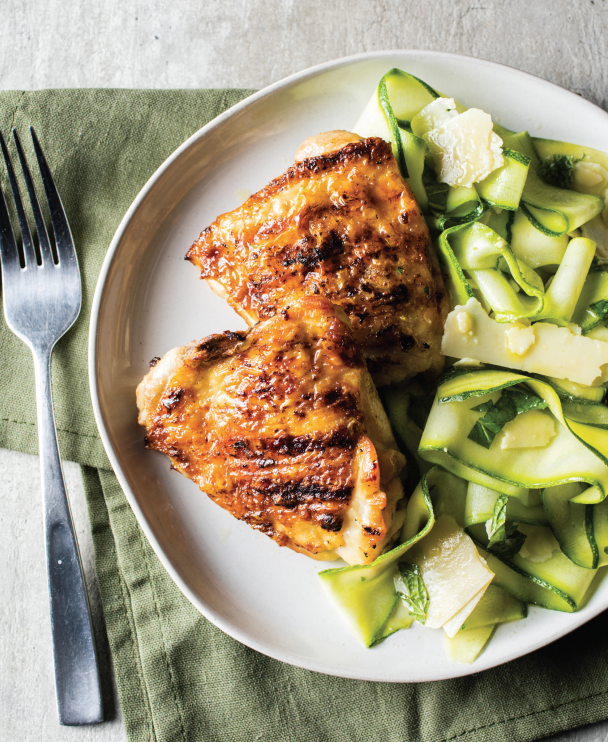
(282, 426)
(340, 223)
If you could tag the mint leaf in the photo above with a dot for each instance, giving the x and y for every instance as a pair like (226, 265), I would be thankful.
(481, 435)
(599, 309)
(512, 402)
(437, 192)
(505, 539)
(412, 590)
(496, 417)
(597, 265)
(558, 170)
(595, 314)
(485, 407)
(524, 401)
(512, 543)
(497, 523)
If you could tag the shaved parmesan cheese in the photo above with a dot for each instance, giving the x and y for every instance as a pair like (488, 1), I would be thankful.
(453, 572)
(533, 429)
(597, 230)
(464, 148)
(519, 339)
(465, 323)
(589, 174)
(453, 626)
(540, 545)
(433, 115)
(576, 329)
(468, 363)
(556, 351)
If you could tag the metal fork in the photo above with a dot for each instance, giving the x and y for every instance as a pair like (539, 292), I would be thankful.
(42, 297)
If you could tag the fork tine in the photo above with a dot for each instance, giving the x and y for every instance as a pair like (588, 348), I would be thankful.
(59, 221)
(9, 255)
(29, 252)
(43, 235)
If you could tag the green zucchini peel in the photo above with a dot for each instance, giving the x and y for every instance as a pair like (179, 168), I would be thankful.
(444, 440)
(553, 211)
(508, 286)
(365, 594)
(397, 99)
(577, 454)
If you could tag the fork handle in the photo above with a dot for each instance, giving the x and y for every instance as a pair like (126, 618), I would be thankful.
(76, 672)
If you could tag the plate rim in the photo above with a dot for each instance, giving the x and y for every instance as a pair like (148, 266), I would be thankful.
(458, 670)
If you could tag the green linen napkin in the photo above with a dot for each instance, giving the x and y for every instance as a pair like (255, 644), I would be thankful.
(178, 676)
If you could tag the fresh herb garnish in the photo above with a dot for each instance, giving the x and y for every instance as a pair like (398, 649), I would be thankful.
(399, 271)
(558, 170)
(599, 309)
(512, 543)
(497, 416)
(437, 192)
(412, 590)
(505, 540)
(598, 265)
(426, 291)
(524, 400)
(496, 525)
(512, 402)
(594, 315)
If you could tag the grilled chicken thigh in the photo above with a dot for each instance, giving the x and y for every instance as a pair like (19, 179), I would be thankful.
(340, 223)
(282, 426)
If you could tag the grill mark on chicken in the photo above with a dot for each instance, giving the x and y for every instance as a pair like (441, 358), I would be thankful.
(406, 343)
(293, 445)
(292, 494)
(171, 400)
(330, 522)
(272, 425)
(399, 295)
(310, 254)
(344, 225)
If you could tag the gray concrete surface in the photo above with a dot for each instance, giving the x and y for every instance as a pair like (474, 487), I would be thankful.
(244, 43)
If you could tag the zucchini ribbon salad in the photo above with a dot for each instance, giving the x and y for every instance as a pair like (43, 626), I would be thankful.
(508, 455)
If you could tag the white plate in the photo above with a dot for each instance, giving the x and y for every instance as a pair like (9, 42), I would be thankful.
(149, 300)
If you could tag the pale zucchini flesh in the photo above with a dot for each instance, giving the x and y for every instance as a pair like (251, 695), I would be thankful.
(467, 645)
(496, 606)
(480, 503)
(400, 618)
(572, 524)
(365, 594)
(556, 584)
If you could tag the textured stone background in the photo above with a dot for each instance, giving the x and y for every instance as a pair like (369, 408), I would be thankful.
(216, 43)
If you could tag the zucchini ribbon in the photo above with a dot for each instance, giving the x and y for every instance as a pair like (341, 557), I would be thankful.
(500, 252)
(366, 594)
(538, 515)
(571, 470)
